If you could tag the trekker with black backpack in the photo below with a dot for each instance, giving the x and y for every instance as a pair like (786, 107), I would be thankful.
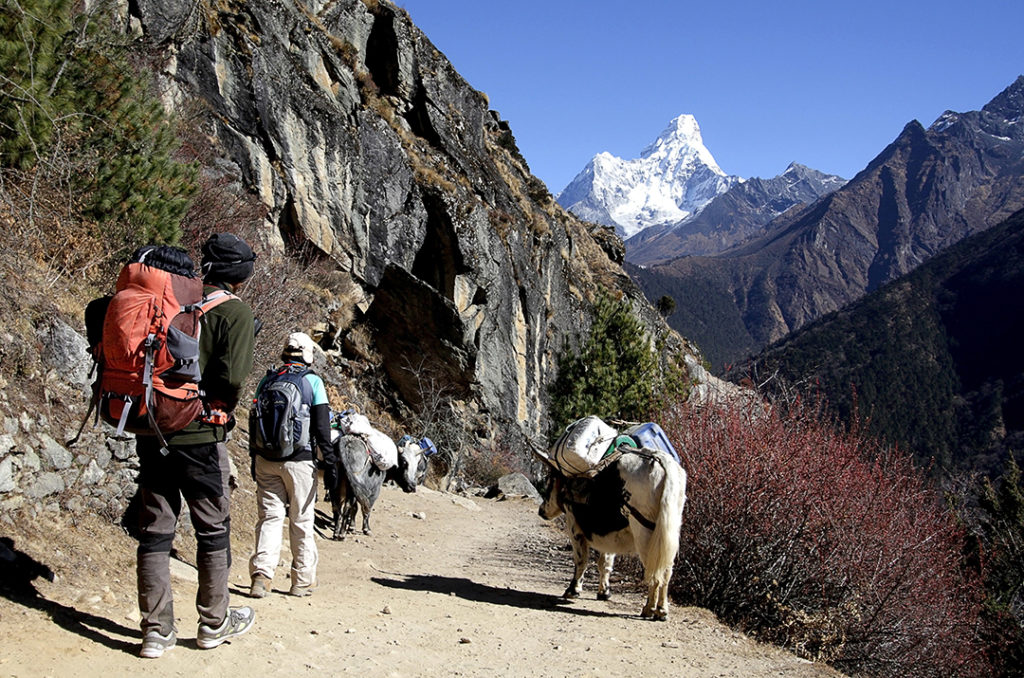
(192, 461)
(290, 413)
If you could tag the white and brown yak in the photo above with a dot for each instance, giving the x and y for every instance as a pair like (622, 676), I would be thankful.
(632, 505)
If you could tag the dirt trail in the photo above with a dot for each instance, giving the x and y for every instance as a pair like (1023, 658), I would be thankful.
(446, 586)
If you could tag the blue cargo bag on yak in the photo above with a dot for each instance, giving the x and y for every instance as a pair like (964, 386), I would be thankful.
(651, 436)
(280, 416)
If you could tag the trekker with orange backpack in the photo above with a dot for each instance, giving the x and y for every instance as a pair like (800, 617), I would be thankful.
(193, 460)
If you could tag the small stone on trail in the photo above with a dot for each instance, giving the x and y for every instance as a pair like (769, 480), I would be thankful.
(350, 631)
(419, 515)
(386, 610)
(464, 641)
(670, 645)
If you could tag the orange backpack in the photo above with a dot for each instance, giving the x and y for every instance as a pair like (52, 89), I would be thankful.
(148, 353)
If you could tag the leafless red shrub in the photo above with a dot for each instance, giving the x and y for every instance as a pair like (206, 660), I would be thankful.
(822, 541)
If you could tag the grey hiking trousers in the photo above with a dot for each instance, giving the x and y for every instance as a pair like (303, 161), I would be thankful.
(199, 473)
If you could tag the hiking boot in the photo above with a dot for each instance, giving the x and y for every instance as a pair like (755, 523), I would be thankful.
(154, 645)
(238, 621)
(301, 591)
(260, 586)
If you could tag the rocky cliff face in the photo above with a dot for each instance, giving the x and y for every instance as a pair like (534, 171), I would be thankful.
(363, 142)
(367, 151)
(927, 190)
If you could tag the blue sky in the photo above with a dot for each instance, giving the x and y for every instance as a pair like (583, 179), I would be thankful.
(826, 84)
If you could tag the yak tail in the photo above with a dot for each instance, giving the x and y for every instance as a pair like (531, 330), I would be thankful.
(664, 543)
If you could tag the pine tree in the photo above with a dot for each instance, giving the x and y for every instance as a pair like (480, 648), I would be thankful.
(32, 36)
(69, 78)
(615, 374)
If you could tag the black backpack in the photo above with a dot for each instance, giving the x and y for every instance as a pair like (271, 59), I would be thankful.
(279, 420)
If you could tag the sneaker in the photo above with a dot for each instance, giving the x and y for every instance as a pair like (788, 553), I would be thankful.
(260, 585)
(238, 621)
(300, 591)
(154, 645)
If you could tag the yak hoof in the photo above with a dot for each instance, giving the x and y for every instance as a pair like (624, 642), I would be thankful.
(571, 593)
(654, 614)
(604, 596)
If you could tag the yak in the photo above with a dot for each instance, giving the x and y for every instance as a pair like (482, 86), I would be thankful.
(360, 480)
(633, 505)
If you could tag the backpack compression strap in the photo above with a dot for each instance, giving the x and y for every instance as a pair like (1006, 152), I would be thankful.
(210, 302)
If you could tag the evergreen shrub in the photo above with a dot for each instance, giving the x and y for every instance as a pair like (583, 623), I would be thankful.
(616, 372)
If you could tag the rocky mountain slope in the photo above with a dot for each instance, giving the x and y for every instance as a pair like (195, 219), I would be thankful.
(364, 143)
(943, 375)
(673, 179)
(927, 190)
(370, 156)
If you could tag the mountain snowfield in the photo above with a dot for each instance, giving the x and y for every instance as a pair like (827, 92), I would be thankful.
(671, 181)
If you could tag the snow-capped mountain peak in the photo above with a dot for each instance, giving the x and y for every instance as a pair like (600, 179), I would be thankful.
(681, 138)
(674, 177)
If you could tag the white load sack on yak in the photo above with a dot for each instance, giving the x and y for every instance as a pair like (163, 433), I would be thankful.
(383, 450)
(584, 444)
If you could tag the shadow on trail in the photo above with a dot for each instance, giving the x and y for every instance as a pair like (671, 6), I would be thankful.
(323, 523)
(17, 572)
(482, 593)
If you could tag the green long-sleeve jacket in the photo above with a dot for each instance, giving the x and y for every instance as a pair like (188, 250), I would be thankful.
(226, 344)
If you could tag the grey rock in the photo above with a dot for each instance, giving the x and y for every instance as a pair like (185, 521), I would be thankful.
(103, 456)
(45, 484)
(66, 352)
(30, 462)
(70, 476)
(92, 474)
(517, 485)
(7, 474)
(53, 454)
(164, 19)
(122, 450)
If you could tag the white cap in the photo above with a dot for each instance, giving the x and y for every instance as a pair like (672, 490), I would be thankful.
(298, 347)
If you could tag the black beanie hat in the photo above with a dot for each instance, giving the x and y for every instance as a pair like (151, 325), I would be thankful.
(227, 258)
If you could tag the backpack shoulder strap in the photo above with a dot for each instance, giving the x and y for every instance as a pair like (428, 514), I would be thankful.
(304, 385)
(215, 299)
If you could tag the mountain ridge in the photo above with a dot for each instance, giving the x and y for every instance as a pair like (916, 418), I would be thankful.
(938, 377)
(925, 191)
(730, 219)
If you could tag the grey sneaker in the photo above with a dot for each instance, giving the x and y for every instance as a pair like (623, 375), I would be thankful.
(260, 585)
(154, 645)
(238, 621)
(301, 591)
